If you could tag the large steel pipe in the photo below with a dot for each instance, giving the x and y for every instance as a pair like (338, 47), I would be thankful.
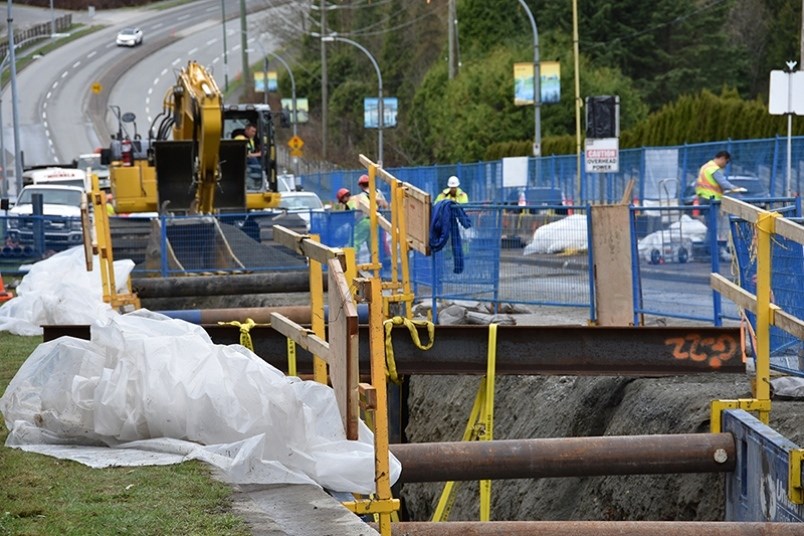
(563, 457)
(221, 285)
(596, 528)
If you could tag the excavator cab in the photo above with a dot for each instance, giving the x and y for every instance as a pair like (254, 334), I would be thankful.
(260, 171)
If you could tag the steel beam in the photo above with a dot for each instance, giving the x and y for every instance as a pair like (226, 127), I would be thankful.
(644, 351)
(595, 528)
(564, 457)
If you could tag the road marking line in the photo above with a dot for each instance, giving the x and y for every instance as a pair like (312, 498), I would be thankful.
(92, 54)
(176, 61)
(183, 17)
(212, 41)
(49, 93)
(215, 61)
(156, 80)
(150, 90)
(158, 25)
(192, 51)
(55, 84)
(76, 64)
(147, 101)
(213, 8)
(64, 74)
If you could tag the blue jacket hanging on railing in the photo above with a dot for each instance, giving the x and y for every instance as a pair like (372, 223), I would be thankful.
(444, 225)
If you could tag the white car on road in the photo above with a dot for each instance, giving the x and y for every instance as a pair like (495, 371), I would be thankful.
(129, 37)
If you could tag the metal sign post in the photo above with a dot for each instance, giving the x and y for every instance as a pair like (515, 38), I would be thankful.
(787, 98)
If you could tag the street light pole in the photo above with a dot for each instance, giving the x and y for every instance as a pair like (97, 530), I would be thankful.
(14, 108)
(329, 39)
(537, 97)
(52, 20)
(225, 52)
(3, 163)
(293, 96)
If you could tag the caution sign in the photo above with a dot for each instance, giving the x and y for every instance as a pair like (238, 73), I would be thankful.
(297, 153)
(96, 88)
(602, 155)
(296, 143)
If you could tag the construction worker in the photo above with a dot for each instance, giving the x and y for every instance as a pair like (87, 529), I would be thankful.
(344, 197)
(109, 206)
(453, 192)
(363, 182)
(711, 182)
(253, 155)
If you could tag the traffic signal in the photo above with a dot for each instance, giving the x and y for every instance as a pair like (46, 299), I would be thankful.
(603, 117)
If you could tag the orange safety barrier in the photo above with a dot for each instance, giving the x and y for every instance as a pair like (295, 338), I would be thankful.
(5, 295)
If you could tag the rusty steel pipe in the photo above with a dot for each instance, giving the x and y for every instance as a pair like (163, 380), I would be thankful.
(595, 528)
(563, 457)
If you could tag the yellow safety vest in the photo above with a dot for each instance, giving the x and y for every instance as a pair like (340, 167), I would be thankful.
(706, 185)
(460, 196)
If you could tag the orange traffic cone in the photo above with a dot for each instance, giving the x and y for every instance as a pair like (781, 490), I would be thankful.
(5, 295)
(695, 212)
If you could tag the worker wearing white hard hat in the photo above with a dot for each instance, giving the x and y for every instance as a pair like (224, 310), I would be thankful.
(453, 192)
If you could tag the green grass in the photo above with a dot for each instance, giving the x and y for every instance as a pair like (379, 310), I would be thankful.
(46, 496)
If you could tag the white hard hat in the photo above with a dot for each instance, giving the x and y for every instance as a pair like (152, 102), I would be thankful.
(453, 182)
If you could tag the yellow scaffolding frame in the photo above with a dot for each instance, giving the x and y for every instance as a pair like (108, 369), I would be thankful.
(768, 314)
(101, 245)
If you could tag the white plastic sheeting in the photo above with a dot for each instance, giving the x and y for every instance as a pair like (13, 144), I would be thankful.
(670, 241)
(567, 234)
(148, 389)
(59, 290)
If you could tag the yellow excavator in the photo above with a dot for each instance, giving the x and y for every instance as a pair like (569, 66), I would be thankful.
(202, 169)
(193, 162)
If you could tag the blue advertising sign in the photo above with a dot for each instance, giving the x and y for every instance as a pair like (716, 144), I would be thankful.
(371, 116)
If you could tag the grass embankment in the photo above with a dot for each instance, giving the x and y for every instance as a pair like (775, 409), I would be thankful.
(46, 496)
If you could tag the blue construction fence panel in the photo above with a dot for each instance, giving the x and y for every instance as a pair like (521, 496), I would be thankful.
(657, 172)
(787, 286)
(674, 249)
(756, 491)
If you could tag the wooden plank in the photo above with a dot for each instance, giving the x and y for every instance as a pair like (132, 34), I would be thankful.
(343, 341)
(301, 336)
(790, 229)
(417, 220)
(734, 292)
(741, 209)
(303, 245)
(611, 249)
(791, 324)
(779, 318)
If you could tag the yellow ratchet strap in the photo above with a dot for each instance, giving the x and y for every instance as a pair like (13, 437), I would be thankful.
(414, 335)
(245, 328)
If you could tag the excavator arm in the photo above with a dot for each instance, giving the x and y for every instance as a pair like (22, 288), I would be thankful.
(196, 104)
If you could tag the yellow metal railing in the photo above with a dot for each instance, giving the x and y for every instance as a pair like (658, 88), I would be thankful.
(766, 224)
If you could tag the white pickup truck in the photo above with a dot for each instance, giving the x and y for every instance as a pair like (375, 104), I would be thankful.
(61, 216)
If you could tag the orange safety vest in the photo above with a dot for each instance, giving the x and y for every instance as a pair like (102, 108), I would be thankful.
(706, 186)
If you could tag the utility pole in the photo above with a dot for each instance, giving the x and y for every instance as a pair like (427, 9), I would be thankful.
(324, 94)
(225, 52)
(575, 53)
(244, 45)
(52, 20)
(451, 37)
